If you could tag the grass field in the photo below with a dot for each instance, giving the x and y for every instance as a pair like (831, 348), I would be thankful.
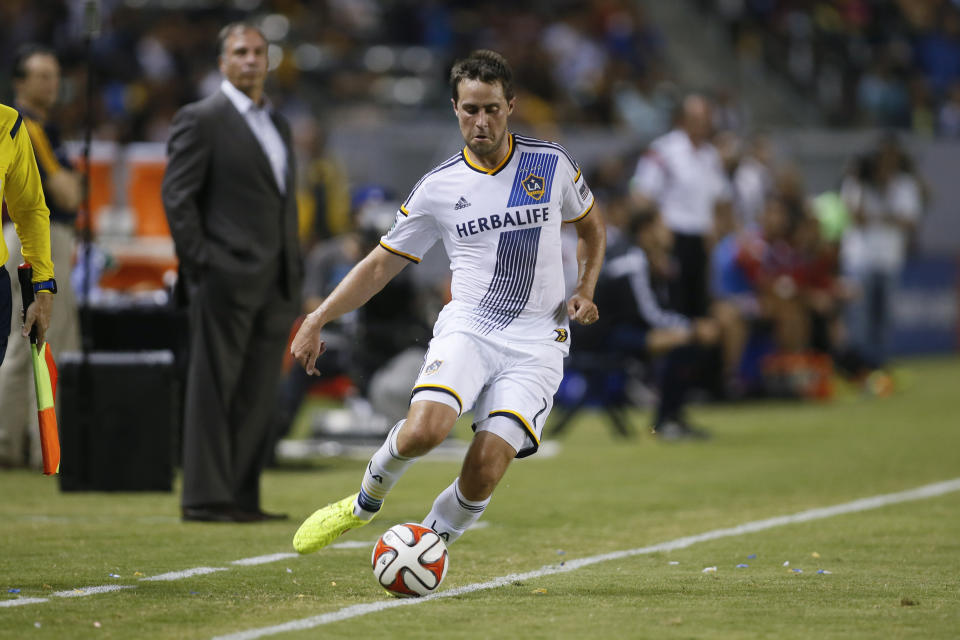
(894, 570)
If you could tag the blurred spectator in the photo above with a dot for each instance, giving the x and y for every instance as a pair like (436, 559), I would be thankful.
(882, 97)
(948, 120)
(938, 49)
(727, 112)
(885, 200)
(639, 321)
(323, 189)
(36, 80)
(578, 61)
(729, 146)
(682, 175)
(640, 102)
(770, 263)
(753, 180)
(923, 117)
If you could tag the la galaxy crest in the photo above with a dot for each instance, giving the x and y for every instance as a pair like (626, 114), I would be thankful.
(534, 185)
(432, 368)
(561, 334)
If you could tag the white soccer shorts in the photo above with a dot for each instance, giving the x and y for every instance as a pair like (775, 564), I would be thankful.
(510, 387)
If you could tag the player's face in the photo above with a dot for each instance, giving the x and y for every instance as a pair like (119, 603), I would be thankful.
(41, 81)
(482, 111)
(244, 62)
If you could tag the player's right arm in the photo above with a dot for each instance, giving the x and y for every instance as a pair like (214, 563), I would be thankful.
(26, 205)
(368, 277)
(31, 217)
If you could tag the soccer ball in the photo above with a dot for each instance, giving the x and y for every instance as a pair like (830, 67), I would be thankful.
(410, 560)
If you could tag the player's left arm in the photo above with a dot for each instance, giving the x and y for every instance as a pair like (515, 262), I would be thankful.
(591, 247)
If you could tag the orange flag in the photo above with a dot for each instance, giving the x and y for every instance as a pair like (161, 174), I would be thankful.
(45, 380)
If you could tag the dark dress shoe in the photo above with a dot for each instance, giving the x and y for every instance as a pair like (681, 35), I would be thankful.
(215, 513)
(262, 516)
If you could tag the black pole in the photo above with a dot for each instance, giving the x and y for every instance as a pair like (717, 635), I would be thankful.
(86, 406)
(91, 29)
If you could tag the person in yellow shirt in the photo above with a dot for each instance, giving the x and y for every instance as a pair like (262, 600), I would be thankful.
(21, 192)
(35, 72)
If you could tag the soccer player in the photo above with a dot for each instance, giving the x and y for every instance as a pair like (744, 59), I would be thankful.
(498, 346)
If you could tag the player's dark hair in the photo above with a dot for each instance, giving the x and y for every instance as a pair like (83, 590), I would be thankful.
(18, 69)
(483, 65)
(233, 27)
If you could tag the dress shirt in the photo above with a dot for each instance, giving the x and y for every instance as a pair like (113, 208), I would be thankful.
(258, 119)
(686, 181)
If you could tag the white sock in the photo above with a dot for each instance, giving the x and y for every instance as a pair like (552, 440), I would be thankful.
(452, 514)
(383, 471)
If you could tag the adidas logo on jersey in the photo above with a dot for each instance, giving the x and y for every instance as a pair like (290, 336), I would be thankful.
(461, 204)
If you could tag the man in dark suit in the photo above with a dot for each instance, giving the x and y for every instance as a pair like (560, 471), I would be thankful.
(229, 196)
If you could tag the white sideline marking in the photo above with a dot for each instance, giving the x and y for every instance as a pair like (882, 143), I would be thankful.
(89, 591)
(352, 544)
(18, 602)
(273, 557)
(186, 573)
(927, 491)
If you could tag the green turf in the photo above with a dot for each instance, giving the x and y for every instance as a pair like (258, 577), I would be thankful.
(895, 570)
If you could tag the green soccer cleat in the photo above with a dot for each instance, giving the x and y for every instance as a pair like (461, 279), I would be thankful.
(326, 525)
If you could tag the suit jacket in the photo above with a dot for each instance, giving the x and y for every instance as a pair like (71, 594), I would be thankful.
(226, 212)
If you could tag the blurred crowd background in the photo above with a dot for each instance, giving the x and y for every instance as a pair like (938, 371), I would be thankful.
(816, 109)
(887, 63)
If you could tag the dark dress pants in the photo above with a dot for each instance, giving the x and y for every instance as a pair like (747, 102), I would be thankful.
(239, 326)
(688, 292)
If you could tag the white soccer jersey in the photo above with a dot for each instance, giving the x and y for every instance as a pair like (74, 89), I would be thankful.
(501, 229)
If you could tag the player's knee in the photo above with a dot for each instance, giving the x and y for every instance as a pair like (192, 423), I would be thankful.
(418, 437)
(481, 476)
(427, 425)
(484, 466)
(479, 483)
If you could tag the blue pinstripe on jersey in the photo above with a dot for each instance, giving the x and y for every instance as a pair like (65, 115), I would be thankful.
(542, 165)
(512, 280)
(545, 144)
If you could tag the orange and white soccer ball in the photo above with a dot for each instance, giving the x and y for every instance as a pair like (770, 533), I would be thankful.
(410, 560)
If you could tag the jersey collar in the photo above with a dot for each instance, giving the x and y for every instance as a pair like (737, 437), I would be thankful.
(496, 169)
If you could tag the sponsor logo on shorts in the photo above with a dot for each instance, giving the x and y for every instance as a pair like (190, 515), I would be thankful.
(561, 334)
(432, 368)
